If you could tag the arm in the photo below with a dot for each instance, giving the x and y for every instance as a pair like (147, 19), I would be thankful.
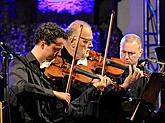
(134, 75)
(91, 94)
(23, 82)
(77, 107)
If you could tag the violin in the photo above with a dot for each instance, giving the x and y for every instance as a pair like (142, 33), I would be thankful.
(114, 67)
(60, 68)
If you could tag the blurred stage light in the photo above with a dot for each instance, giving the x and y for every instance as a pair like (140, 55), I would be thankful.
(66, 6)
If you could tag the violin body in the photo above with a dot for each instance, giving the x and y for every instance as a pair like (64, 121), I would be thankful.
(114, 67)
(60, 68)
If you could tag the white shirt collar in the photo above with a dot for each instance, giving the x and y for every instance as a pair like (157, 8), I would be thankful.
(83, 62)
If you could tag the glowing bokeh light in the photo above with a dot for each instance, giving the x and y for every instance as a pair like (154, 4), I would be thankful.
(66, 6)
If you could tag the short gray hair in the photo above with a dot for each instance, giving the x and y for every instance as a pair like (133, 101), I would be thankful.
(131, 38)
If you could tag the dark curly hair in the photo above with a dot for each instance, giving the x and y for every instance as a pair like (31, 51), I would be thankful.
(49, 32)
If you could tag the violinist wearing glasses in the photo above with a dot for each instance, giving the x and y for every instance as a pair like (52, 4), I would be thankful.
(80, 95)
(85, 46)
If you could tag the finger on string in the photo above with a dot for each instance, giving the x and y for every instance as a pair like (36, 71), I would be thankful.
(109, 81)
(135, 71)
(138, 74)
(130, 70)
(141, 74)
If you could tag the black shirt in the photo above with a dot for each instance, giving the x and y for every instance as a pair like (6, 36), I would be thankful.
(31, 99)
(117, 107)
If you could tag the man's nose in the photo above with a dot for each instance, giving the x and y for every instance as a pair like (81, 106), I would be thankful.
(126, 56)
(90, 45)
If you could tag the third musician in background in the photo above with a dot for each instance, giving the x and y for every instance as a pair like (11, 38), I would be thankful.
(116, 107)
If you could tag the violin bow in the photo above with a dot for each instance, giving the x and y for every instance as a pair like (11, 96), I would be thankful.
(108, 41)
(73, 62)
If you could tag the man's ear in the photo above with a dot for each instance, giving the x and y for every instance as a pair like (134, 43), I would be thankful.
(141, 52)
(71, 39)
(42, 44)
(72, 42)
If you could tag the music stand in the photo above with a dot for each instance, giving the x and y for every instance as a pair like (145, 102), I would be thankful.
(149, 97)
(161, 57)
(160, 53)
(153, 88)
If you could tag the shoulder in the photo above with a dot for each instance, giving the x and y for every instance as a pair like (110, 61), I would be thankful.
(16, 63)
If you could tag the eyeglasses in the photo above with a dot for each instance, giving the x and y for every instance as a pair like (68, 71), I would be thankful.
(87, 41)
